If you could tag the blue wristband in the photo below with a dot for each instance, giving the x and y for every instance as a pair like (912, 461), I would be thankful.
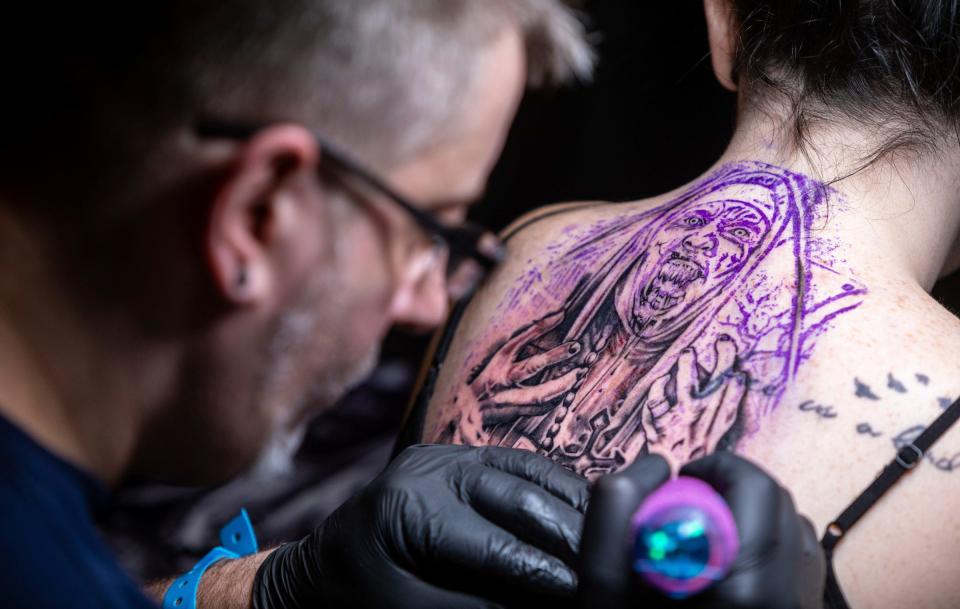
(237, 539)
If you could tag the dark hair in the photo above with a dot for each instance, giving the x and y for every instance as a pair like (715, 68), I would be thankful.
(86, 87)
(876, 61)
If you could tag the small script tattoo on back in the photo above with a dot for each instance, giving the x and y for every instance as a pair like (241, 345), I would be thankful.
(865, 429)
(659, 331)
(823, 412)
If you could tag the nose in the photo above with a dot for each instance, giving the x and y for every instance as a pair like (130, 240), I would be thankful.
(421, 305)
(701, 244)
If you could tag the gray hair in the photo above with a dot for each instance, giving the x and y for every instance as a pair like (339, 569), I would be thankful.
(383, 78)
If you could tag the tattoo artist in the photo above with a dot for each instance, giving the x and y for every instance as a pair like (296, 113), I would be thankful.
(210, 215)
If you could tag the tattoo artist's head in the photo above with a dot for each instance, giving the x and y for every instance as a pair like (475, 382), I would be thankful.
(204, 290)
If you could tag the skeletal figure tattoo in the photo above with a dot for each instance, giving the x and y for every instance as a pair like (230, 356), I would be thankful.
(670, 331)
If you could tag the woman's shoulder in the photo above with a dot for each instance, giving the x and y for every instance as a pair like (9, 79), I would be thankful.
(872, 387)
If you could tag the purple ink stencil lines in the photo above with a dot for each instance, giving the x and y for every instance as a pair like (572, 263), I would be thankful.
(674, 330)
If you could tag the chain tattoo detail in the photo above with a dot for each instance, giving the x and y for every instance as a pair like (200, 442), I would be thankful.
(673, 331)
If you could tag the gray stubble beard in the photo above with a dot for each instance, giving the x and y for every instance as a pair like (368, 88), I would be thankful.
(292, 340)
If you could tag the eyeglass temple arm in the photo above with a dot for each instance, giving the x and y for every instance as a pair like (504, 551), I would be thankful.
(456, 240)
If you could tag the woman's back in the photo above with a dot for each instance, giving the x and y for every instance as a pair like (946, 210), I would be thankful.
(744, 312)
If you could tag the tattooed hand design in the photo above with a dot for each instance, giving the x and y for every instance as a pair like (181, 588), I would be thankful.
(504, 388)
(691, 424)
(666, 314)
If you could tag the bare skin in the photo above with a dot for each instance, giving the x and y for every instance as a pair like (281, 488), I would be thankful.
(871, 373)
(866, 383)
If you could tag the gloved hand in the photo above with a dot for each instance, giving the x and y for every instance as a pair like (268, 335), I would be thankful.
(443, 527)
(780, 564)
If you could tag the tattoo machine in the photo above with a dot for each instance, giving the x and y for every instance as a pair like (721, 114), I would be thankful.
(684, 538)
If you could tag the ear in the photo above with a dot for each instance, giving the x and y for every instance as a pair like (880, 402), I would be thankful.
(721, 28)
(243, 217)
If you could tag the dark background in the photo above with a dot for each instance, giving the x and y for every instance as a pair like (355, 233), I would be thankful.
(653, 119)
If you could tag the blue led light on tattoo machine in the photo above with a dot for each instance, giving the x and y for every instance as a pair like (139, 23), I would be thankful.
(684, 538)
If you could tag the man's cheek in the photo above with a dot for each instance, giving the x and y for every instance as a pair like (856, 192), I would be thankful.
(370, 317)
(367, 300)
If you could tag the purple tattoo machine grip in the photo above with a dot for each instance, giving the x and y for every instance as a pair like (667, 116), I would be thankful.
(684, 538)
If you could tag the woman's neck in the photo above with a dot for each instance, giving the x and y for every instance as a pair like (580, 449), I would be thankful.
(897, 217)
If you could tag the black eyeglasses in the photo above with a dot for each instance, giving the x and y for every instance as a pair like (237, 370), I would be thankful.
(473, 251)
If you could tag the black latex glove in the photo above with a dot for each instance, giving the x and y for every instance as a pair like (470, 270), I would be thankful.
(443, 527)
(779, 566)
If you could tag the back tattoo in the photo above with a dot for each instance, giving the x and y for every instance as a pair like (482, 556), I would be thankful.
(673, 330)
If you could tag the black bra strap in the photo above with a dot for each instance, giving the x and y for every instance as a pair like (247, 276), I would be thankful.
(833, 597)
(908, 457)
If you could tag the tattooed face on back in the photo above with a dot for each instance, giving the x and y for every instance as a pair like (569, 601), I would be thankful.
(697, 249)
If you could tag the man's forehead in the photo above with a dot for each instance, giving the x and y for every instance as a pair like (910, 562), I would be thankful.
(453, 173)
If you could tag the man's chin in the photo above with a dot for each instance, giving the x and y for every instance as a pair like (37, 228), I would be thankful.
(327, 392)
(362, 371)
(277, 456)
